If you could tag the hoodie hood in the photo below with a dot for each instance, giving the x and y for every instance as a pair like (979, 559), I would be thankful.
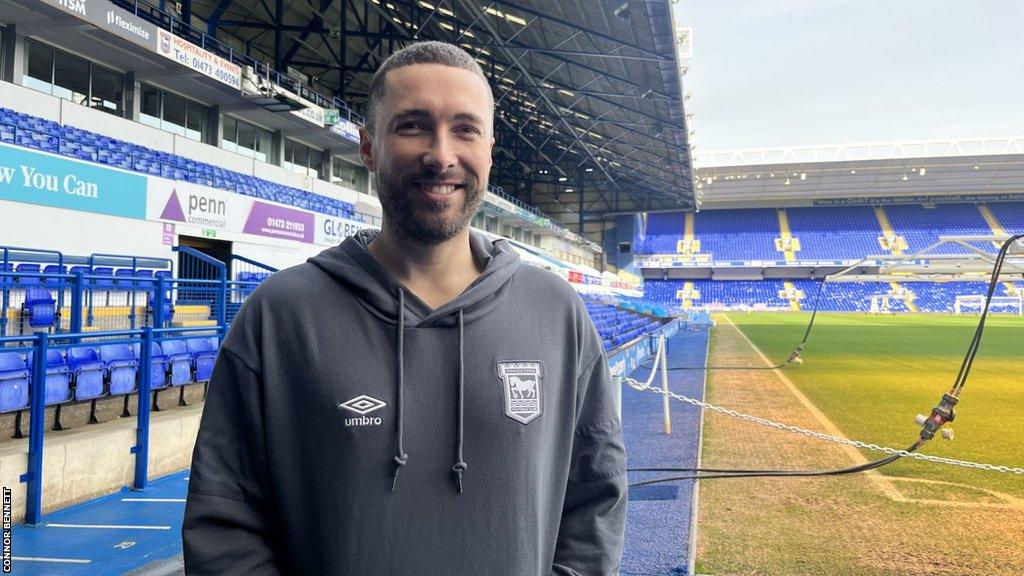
(352, 265)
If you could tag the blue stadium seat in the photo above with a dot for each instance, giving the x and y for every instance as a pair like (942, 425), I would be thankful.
(88, 371)
(14, 376)
(203, 355)
(124, 279)
(121, 367)
(54, 269)
(58, 383)
(107, 280)
(28, 280)
(144, 280)
(179, 360)
(40, 307)
(158, 365)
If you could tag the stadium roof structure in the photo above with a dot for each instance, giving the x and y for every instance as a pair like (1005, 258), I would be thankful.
(590, 116)
(978, 169)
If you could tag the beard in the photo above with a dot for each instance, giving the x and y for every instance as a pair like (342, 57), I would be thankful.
(409, 213)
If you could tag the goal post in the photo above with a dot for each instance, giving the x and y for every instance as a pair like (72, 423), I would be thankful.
(974, 303)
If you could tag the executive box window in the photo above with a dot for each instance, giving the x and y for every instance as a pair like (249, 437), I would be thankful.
(302, 159)
(246, 139)
(173, 113)
(72, 78)
(348, 175)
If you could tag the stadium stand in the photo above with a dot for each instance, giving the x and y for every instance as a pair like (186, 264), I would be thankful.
(843, 233)
(737, 234)
(664, 230)
(618, 326)
(922, 226)
(48, 136)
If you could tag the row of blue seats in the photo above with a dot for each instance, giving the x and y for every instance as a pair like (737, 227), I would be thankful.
(81, 373)
(836, 296)
(122, 278)
(825, 233)
(32, 132)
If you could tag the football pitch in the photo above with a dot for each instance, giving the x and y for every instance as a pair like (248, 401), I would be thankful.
(871, 375)
(865, 378)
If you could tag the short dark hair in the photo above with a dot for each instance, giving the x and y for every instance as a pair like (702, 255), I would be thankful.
(428, 52)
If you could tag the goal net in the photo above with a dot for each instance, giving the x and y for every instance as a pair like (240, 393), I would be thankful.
(973, 304)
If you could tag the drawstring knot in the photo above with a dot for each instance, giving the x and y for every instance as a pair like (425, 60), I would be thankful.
(457, 471)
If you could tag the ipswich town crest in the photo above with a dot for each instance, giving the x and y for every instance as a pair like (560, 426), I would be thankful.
(521, 381)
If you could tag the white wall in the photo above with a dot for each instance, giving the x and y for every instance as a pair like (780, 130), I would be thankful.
(28, 101)
(102, 123)
(211, 155)
(79, 233)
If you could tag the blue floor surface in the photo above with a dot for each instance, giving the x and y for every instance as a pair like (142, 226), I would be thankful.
(658, 524)
(110, 535)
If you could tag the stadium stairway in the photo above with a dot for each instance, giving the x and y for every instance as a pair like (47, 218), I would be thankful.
(889, 240)
(786, 243)
(659, 529)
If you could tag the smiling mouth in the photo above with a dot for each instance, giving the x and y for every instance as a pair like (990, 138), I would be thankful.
(445, 189)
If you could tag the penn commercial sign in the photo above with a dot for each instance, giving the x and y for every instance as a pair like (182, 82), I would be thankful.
(105, 15)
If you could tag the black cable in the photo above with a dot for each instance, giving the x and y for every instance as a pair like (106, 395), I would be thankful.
(944, 411)
(793, 356)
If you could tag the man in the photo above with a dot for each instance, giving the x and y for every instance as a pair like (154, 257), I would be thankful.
(412, 401)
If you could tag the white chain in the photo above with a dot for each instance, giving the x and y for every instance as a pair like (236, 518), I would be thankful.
(818, 435)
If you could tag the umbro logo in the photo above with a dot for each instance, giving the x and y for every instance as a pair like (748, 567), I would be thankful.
(363, 405)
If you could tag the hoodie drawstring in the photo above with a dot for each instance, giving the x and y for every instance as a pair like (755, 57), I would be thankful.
(460, 466)
(400, 456)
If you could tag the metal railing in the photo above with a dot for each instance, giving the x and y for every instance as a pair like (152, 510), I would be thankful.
(176, 26)
(39, 343)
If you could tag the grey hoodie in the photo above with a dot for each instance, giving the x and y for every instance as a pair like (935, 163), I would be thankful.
(350, 429)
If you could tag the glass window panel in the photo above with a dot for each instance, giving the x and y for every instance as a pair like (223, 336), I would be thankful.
(71, 77)
(316, 159)
(174, 113)
(246, 137)
(195, 124)
(39, 75)
(300, 157)
(107, 87)
(289, 151)
(150, 106)
(230, 130)
(264, 141)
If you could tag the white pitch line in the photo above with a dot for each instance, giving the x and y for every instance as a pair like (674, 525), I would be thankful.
(152, 499)
(109, 526)
(54, 560)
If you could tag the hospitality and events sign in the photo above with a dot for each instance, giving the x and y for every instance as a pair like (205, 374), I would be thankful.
(206, 63)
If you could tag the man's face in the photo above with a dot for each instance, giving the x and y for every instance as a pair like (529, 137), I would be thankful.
(431, 150)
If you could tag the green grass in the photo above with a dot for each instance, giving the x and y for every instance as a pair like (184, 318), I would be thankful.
(872, 374)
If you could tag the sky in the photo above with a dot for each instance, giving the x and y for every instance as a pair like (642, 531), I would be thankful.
(767, 73)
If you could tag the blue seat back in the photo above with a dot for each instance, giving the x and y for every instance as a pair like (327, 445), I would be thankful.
(58, 382)
(203, 355)
(41, 307)
(28, 269)
(88, 372)
(121, 366)
(158, 367)
(13, 382)
(180, 361)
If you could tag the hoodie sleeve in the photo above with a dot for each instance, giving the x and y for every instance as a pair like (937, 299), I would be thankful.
(594, 512)
(229, 515)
